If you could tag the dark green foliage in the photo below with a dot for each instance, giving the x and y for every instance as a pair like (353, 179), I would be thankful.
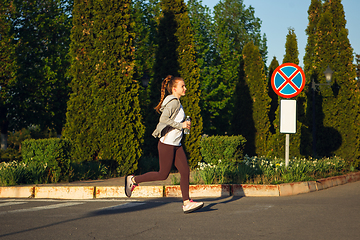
(228, 149)
(15, 139)
(42, 29)
(8, 66)
(80, 107)
(52, 153)
(274, 97)
(336, 108)
(256, 81)
(146, 17)
(201, 22)
(219, 40)
(148, 164)
(10, 154)
(103, 118)
(91, 170)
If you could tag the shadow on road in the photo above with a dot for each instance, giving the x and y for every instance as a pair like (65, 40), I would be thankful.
(132, 206)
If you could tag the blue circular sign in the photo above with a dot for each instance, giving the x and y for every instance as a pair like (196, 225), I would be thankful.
(288, 80)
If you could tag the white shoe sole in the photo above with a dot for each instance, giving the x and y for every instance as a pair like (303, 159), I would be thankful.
(194, 209)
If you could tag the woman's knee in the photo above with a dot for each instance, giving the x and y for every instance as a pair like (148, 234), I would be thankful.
(163, 175)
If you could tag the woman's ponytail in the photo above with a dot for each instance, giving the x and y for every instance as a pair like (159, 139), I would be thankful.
(163, 87)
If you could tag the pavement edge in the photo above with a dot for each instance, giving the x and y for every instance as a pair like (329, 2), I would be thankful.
(215, 190)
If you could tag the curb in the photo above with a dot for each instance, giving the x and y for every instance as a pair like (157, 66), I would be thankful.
(252, 190)
(140, 191)
(215, 190)
(65, 192)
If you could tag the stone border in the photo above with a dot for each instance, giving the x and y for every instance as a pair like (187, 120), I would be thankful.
(216, 190)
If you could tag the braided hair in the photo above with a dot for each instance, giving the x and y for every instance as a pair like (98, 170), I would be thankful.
(168, 83)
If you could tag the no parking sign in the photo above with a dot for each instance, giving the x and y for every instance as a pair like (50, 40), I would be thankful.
(288, 80)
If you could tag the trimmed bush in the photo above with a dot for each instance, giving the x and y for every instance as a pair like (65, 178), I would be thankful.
(53, 152)
(228, 149)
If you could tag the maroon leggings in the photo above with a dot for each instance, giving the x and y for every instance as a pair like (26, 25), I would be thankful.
(168, 155)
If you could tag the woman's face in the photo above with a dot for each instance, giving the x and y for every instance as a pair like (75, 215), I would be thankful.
(179, 89)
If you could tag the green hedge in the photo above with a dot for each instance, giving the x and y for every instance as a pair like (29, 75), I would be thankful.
(228, 149)
(54, 152)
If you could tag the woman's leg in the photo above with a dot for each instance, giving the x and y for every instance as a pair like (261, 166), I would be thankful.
(166, 158)
(182, 165)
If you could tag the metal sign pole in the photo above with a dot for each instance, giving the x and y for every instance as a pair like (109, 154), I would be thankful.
(287, 146)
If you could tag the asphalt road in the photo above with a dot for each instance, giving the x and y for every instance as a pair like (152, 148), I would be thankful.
(328, 214)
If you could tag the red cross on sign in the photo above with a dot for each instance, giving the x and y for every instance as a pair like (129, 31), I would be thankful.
(288, 80)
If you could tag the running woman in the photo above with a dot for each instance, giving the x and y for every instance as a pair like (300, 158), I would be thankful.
(170, 131)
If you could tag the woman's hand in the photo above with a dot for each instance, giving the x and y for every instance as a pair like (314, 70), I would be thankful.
(186, 124)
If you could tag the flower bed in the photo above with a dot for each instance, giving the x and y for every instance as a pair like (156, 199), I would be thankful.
(264, 170)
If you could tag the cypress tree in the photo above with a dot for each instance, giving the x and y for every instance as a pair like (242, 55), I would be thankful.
(81, 107)
(108, 109)
(314, 14)
(338, 122)
(176, 56)
(189, 71)
(257, 83)
(165, 63)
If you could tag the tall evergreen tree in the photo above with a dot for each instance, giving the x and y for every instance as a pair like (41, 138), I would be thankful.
(8, 66)
(314, 15)
(80, 107)
(104, 120)
(337, 124)
(257, 83)
(189, 70)
(176, 56)
(165, 63)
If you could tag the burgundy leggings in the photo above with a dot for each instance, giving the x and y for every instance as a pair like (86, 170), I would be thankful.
(168, 155)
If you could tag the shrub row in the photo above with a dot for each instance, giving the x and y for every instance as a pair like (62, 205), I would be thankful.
(228, 149)
(54, 153)
(48, 161)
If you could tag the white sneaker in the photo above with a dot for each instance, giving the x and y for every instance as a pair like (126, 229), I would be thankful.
(129, 185)
(192, 206)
